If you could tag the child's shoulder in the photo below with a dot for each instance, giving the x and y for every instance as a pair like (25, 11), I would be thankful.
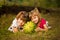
(43, 19)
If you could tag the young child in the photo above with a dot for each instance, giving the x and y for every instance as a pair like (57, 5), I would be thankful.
(40, 22)
(18, 22)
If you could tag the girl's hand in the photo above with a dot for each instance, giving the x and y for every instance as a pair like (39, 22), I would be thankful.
(40, 29)
(45, 27)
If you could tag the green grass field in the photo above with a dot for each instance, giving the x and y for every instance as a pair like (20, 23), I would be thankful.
(52, 34)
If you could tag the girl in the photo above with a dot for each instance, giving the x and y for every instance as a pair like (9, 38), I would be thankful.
(40, 22)
(18, 22)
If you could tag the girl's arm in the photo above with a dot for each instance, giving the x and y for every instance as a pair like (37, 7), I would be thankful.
(45, 28)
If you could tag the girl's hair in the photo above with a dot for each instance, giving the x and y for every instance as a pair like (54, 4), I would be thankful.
(35, 12)
(21, 15)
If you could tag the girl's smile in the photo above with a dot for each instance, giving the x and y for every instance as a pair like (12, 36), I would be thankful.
(35, 19)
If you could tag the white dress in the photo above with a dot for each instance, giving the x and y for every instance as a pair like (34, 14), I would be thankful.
(14, 24)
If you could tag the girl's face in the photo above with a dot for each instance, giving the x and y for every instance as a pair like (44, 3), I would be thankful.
(35, 19)
(20, 22)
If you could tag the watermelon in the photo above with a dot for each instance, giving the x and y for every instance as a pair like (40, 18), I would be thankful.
(29, 27)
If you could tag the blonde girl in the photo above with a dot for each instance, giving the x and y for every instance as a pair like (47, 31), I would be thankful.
(38, 20)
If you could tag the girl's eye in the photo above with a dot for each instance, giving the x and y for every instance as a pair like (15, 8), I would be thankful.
(34, 17)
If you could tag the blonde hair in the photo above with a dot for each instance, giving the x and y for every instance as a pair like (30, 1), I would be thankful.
(35, 12)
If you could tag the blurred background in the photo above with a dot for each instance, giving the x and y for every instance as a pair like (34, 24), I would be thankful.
(39, 3)
(27, 5)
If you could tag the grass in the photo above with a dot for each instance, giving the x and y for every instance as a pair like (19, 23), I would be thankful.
(52, 34)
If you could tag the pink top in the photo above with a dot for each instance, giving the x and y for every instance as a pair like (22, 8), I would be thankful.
(41, 24)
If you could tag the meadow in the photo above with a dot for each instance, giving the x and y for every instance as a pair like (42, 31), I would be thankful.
(52, 34)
